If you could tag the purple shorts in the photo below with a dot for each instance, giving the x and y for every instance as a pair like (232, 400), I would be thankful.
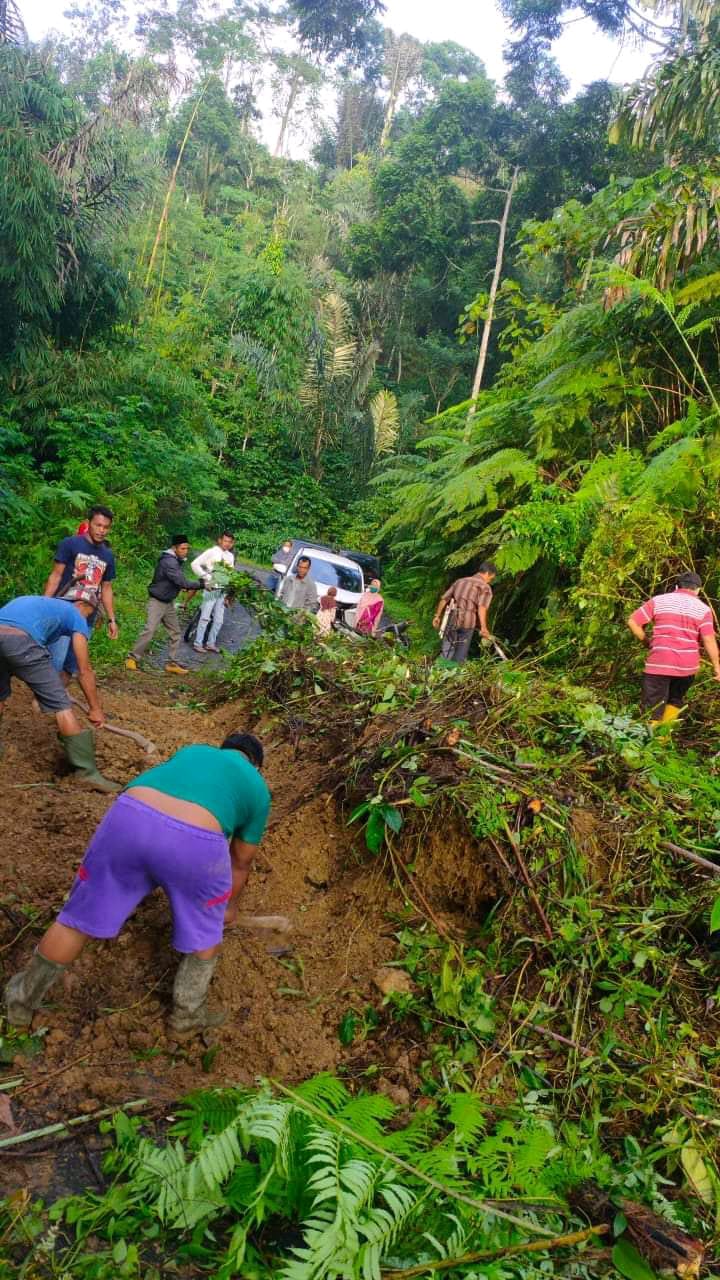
(136, 849)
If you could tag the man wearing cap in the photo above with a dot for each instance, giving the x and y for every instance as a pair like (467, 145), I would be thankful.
(191, 827)
(168, 581)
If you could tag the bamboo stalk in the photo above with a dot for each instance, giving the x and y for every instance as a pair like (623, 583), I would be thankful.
(63, 1126)
(528, 1246)
(171, 188)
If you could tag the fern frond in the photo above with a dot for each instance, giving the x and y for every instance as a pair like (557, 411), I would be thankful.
(385, 419)
(324, 1090)
(466, 1115)
(365, 1113)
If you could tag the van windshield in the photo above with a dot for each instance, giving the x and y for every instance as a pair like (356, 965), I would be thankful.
(335, 575)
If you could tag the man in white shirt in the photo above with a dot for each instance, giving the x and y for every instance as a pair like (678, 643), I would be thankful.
(213, 567)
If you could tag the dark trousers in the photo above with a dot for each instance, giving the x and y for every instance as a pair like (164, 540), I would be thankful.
(456, 643)
(658, 691)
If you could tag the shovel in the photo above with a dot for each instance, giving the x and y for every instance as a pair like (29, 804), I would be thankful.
(281, 924)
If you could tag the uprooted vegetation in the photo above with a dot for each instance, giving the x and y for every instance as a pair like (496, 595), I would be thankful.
(554, 985)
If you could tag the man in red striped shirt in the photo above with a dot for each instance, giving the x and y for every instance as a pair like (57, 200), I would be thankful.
(680, 622)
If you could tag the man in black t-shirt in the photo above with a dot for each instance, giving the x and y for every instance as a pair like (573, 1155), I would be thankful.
(84, 569)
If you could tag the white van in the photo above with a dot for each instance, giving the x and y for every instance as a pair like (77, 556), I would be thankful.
(329, 570)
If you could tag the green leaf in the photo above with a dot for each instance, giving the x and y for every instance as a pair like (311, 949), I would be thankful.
(393, 817)
(715, 916)
(628, 1262)
(697, 1172)
(375, 832)
(119, 1253)
(348, 1027)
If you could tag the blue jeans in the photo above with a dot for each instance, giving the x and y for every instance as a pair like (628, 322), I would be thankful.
(212, 616)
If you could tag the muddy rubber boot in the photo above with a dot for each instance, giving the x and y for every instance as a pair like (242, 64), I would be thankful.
(80, 751)
(24, 993)
(190, 1011)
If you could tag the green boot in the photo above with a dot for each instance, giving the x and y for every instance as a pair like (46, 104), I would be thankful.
(190, 1012)
(80, 751)
(24, 993)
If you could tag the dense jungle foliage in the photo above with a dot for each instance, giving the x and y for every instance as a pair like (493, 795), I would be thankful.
(201, 330)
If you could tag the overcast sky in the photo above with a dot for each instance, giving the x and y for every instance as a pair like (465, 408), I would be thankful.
(583, 53)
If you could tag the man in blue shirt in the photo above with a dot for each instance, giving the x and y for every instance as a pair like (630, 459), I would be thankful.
(29, 625)
(84, 569)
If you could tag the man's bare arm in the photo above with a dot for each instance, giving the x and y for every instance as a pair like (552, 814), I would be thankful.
(711, 649)
(106, 595)
(637, 630)
(86, 677)
(53, 581)
(241, 858)
(482, 618)
(437, 616)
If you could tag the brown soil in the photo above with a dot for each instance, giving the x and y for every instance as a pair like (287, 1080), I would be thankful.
(285, 994)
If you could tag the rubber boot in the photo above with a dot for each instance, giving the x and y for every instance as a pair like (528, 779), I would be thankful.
(670, 713)
(190, 1009)
(24, 993)
(80, 751)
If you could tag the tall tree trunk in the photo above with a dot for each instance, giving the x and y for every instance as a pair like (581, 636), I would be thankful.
(170, 190)
(318, 442)
(294, 89)
(395, 90)
(485, 340)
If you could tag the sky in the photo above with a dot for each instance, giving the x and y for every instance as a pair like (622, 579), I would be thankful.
(583, 53)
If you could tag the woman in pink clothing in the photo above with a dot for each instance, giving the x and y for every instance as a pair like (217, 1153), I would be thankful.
(369, 610)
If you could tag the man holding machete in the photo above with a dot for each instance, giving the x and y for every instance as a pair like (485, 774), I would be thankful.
(191, 826)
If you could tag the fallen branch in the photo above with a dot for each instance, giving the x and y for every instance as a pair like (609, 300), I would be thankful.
(555, 1035)
(692, 857)
(148, 747)
(526, 877)
(528, 1246)
(64, 1126)
(38, 1084)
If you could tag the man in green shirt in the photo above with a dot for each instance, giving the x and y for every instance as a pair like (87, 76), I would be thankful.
(190, 826)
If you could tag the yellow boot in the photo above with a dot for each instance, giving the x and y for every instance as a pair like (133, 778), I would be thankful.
(670, 713)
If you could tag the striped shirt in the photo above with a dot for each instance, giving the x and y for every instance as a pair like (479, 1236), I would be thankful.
(470, 595)
(679, 620)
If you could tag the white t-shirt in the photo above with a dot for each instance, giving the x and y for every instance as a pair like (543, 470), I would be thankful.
(203, 564)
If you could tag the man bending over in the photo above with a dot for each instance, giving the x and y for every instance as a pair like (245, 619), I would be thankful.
(681, 622)
(190, 826)
(29, 626)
